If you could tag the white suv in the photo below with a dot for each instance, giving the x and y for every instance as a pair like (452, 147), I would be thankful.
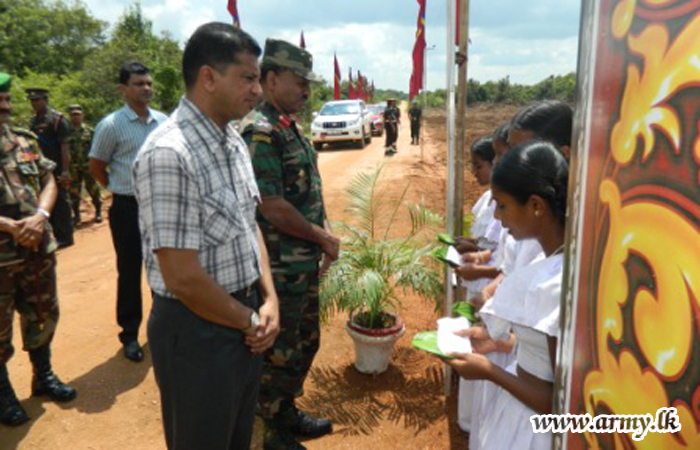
(342, 120)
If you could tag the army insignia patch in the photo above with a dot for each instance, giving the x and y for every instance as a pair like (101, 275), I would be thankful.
(261, 137)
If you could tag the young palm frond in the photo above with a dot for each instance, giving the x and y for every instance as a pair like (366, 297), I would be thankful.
(369, 270)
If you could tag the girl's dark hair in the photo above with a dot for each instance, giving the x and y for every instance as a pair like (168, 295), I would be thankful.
(483, 149)
(534, 168)
(501, 133)
(550, 120)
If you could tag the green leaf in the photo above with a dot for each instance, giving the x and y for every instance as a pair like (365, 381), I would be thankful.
(465, 309)
(446, 239)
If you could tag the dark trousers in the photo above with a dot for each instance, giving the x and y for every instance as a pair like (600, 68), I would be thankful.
(415, 130)
(392, 132)
(124, 224)
(61, 217)
(207, 376)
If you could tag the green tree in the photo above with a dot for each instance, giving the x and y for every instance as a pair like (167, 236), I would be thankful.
(47, 37)
(132, 39)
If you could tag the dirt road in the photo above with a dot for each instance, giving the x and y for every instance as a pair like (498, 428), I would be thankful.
(118, 404)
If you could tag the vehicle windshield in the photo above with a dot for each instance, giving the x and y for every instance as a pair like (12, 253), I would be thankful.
(338, 109)
(374, 109)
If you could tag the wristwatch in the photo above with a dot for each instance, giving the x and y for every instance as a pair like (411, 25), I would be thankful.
(254, 322)
(44, 212)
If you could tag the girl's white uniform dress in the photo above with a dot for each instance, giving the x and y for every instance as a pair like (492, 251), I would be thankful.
(526, 303)
(486, 229)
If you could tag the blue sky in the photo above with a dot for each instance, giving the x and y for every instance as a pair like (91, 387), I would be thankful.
(527, 40)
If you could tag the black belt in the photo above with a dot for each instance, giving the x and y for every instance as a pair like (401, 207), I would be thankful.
(246, 292)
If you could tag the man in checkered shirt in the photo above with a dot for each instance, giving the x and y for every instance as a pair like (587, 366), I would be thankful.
(215, 309)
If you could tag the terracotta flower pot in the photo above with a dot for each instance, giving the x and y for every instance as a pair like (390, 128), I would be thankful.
(373, 347)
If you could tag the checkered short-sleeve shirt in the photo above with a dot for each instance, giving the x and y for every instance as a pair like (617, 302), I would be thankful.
(196, 190)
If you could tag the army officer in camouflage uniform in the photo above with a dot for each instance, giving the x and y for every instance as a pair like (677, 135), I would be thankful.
(53, 132)
(81, 138)
(27, 261)
(292, 218)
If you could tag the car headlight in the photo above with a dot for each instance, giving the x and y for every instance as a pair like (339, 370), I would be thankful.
(316, 124)
(353, 122)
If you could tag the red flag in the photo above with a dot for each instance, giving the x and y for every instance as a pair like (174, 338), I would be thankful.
(336, 78)
(418, 53)
(233, 10)
(360, 87)
(302, 42)
(351, 88)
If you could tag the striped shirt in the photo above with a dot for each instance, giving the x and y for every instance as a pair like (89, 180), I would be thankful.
(117, 139)
(196, 191)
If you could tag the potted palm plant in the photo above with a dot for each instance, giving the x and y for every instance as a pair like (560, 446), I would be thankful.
(375, 265)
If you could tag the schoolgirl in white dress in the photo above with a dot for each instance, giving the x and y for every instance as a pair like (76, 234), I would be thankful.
(529, 185)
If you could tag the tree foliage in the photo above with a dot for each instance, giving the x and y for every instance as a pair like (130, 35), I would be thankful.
(88, 77)
(559, 87)
(47, 37)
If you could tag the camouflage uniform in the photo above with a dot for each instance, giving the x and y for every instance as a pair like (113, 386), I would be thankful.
(285, 164)
(53, 130)
(392, 115)
(27, 278)
(81, 138)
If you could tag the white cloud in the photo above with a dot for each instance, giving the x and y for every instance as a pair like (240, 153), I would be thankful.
(527, 40)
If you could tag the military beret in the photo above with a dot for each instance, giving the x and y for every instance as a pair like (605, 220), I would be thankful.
(289, 56)
(37, 93)
(5, 82)
(75, 108)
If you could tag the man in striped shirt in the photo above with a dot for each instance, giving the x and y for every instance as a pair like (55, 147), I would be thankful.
(117, 139)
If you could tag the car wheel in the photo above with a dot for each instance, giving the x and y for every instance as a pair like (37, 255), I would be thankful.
(368, 138)
(361, 142)
(318, 145)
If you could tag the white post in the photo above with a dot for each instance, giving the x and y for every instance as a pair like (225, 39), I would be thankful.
(449, 297)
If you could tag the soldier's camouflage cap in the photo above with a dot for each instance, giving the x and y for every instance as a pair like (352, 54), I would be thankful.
(283, 54)
(37, 93)
(5, 82)
(75, 108)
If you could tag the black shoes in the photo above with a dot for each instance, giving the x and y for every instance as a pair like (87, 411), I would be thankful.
(311, 427)
(98, 216)
(281, 440)
(282, 433)
(133, 351)
(45, 382)
(11, 412)
(48, 384)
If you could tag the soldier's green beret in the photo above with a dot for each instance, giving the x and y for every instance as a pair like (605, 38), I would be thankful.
(283, 54)
(5, 82)
(75, 109)
(37, 93)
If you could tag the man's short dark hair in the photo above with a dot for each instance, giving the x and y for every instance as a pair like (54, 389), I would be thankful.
(215, 44)
(131, 68)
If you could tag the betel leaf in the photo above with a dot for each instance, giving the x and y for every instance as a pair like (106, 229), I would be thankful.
(446, 239)
(440, 253)
(427, 341)
(465, 309)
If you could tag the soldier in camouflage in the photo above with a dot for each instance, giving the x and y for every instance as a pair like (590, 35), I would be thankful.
(81, 138)
(53, 132)
(392, 120)
(292, 218)
(27, 261)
